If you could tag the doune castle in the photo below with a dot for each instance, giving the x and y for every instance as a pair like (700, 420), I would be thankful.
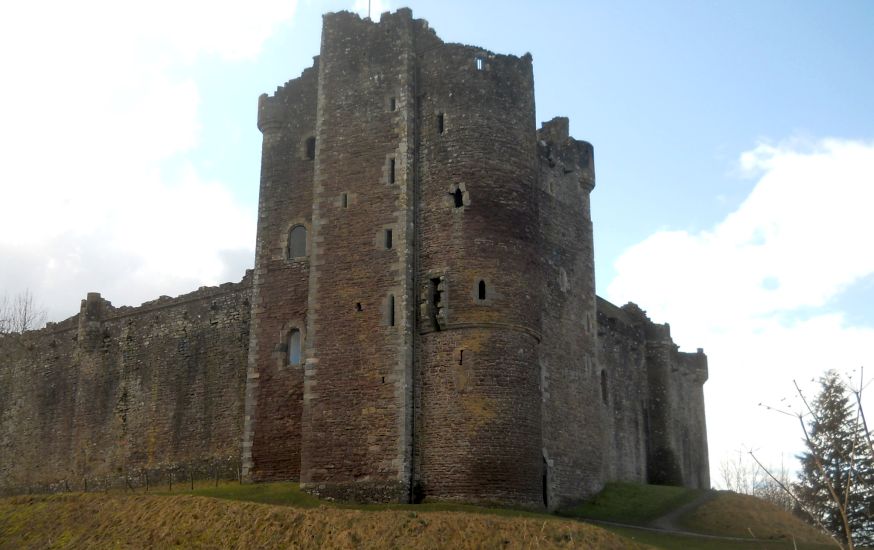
(421, 320)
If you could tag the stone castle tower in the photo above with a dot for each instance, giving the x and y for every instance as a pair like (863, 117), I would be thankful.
(421, 321)
(424, 320)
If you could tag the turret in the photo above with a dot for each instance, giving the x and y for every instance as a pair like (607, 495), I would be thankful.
(478, 422)
(91, 322)
(274, 385)
(573, 388)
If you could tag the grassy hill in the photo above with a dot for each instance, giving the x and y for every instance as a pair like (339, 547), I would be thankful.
(188, 521)
(279, 515)
(741, 521)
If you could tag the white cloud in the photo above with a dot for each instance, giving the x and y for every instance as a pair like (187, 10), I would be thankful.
(756, 291)
(98, 115)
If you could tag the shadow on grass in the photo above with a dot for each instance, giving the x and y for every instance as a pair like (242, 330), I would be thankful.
(633, 503)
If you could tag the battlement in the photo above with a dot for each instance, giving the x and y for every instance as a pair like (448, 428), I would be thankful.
(273, 110)
(565, 155)
(695, 364)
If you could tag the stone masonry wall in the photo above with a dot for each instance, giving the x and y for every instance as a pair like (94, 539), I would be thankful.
(657, 430)
(477, 422)
(573, 410)
(114, 396)
(356, 410)
(622, 357)
(274, 388)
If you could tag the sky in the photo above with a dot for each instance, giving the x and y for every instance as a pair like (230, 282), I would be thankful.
(734, 146)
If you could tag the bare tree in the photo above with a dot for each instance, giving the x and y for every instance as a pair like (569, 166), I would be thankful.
(743, 475)
(20, 313)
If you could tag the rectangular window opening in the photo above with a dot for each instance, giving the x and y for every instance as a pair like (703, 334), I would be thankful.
(344, 200)
(391, 170)
(479, 63)
(311, 148)
(294, 346)
(388, 239)
(392, 104)
(439, 123)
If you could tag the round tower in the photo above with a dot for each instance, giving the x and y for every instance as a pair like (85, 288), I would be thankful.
(478, 410)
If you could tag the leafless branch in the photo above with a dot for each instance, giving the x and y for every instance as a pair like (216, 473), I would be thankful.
(789, 492)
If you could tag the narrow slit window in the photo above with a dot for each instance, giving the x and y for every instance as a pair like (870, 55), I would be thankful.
(344, 200)
(297, 242)
(388, 239)
(294, 347)
(461, 357)
(392, 104)
(439, 123)
(481, 290)
(391, 170)
(604, 386)
(311, 148)
(390, 310)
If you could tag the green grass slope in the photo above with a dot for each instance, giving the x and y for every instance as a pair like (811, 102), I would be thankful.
(633, 503)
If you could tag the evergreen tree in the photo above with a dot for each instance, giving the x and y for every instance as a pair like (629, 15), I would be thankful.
(838, 461)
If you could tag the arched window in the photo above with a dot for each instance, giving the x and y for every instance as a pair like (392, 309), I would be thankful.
(294, 347)
(481, 290)
(458, 198)
(297, 242)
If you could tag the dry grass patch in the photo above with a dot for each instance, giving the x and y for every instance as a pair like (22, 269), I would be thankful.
(735, 515)
(148, 521)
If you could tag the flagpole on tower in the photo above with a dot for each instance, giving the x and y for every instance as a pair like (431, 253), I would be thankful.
(368, 9)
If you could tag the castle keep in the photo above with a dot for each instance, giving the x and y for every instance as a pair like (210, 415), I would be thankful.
(421, 320)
